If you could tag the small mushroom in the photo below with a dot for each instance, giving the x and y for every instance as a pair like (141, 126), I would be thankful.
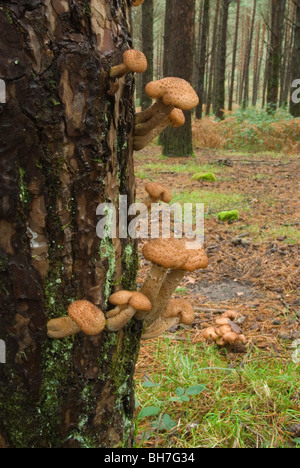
(127, 303)
(177, 311)
(196, 260)
(180, 308)
(82, 316)
(136, 3)
(210, 334)
(163, 254)
(133, 61)
(157, 192)
(143, 137)
(231, 339)
(169, 93)
(231, 314)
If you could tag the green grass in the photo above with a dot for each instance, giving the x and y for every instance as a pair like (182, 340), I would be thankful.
(189, 169)
(214, 201)
(272, 232)
(243, 406)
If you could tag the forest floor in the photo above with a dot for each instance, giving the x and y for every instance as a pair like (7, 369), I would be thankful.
(250, 397)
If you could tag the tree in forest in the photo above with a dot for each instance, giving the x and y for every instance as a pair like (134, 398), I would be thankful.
(179, 62)
(295, 72)
(147, 47)
(65, 147)
(234, 53)
(275, 52)
(203, 56)
(221, 62)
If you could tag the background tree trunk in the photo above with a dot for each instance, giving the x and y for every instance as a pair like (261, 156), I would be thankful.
(65, 147)
(178, 141)
(148, 42)
(295, 107)
(234, 53)
(203, 57)
(275, 54)
(220, 97)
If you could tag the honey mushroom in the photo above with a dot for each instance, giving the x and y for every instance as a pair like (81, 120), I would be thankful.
(82, 316)
(133, 61)
(169, 93)
(177, 311)
(127, 303)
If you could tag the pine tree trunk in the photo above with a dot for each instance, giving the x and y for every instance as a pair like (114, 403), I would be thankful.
(220, 98)
(178, 141)
(248, 57)
(65, 147)
(202, 57)
(275, 55)
(148, 42)
(295, 106)
(234, 53)
(212, 60)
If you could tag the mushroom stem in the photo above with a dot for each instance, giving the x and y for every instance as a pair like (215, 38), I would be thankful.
(161, 325)
(119, 321)
(118, 71)
(151, 287)
(150, 118)
(140, 141)
(62, 327)
(170, 283)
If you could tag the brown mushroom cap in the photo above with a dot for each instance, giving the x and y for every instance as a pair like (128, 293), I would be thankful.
(88, 317)
(135, 299)
(181, 308)
(174, 92)
(158, 192)
(135, 61)
(222, 321)
(210, 333)
(231, 314)
(177, 118)
(137, 2)
(168, 253)
(224, 329)
(233, 338)
(197, 258)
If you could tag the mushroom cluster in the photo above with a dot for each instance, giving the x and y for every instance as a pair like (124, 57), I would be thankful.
(225, 332)
(170, 260)
(172, 97)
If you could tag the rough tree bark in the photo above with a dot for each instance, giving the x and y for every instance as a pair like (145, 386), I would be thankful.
(295, 106)
(234, 54)
(275, 54)
(202, 57)
(65, 147)
(220, 98)
(148, 41)
(178, 142)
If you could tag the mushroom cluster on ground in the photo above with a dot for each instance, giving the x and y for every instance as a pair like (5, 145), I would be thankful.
(225, 332)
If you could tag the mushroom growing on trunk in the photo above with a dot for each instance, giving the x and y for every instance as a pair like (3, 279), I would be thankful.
(133, 61)
(82, 316)
(169, 93)
(142, 136)
(177, 311)
(163, 254)
(127, 303)
(196, 259)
